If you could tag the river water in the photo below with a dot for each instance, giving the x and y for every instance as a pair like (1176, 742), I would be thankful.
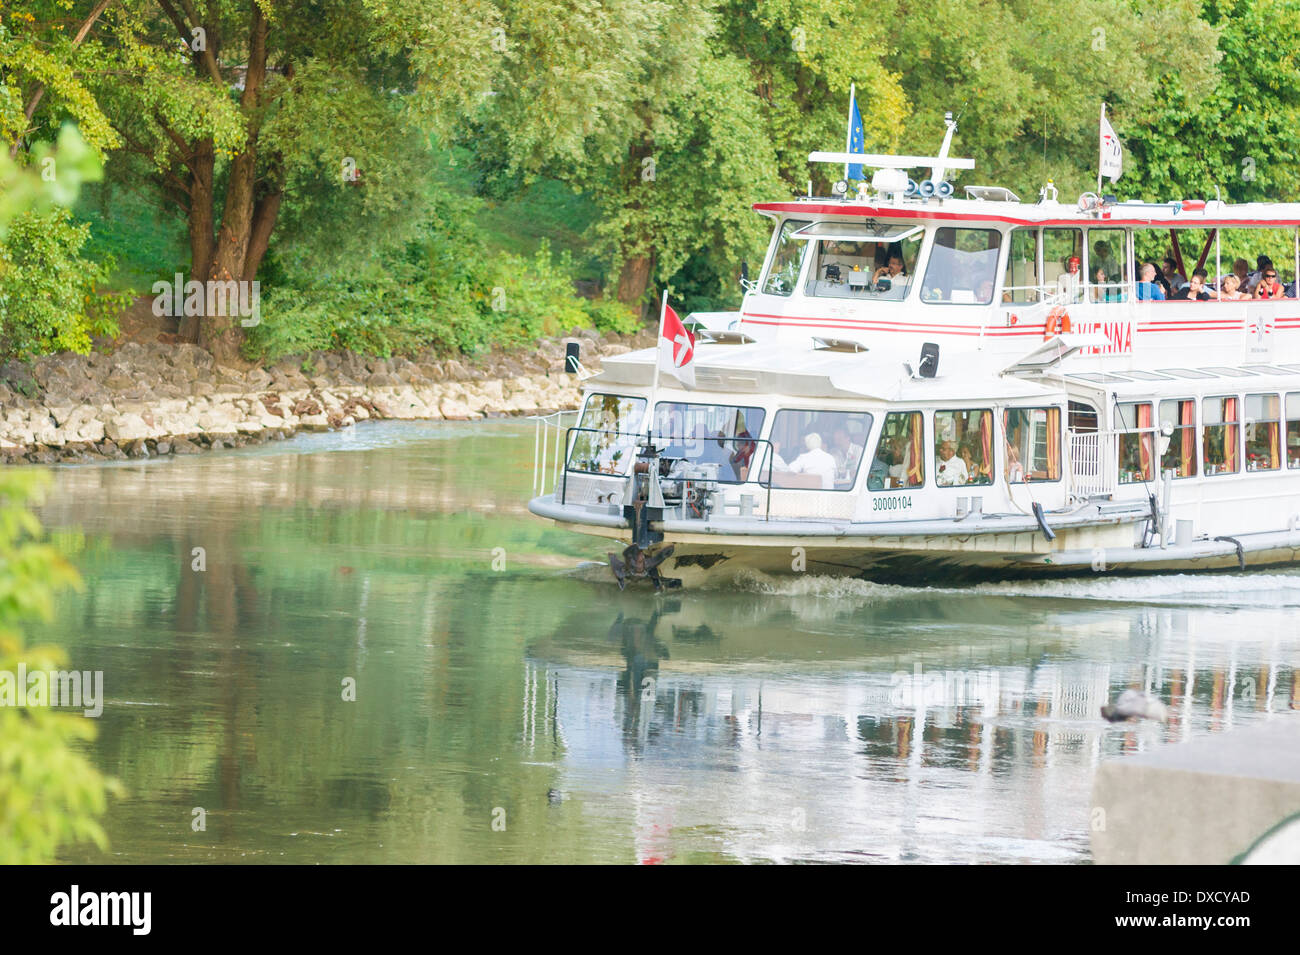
(511, 706)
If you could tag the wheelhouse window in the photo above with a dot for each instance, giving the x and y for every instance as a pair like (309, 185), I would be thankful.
(722, 435)
(787, 260)
(1263, 426)
(1178, 420)
(1293, 430)
(1063, 264)
(1020, 283)
(605, 439)
(1107, 277)
(1219, 417)
(963, 267)
(963, 447)
(862, 261)
(817, 449)
(899, 461)
(1033, 444)
(1136, 442)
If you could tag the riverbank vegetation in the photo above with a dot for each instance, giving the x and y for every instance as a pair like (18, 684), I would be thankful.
(397, 176)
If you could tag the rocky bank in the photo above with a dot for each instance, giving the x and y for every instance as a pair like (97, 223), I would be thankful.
(145, 400)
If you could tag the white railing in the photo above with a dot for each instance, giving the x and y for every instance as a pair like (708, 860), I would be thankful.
(1091, 462)
(549, 450)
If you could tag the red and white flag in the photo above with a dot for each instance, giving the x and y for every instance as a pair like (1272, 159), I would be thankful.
(676, 348)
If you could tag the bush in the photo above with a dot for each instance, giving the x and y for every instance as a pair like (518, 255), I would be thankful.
(48, 291)
(444, 291)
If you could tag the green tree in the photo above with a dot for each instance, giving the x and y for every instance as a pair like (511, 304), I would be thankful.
(50, 794)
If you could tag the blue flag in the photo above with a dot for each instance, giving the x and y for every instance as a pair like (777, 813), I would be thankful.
(857, 142)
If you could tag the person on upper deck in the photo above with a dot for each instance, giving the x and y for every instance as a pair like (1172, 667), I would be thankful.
(1069, 282)
(1104, 258)
(1174, 280)
(1262, 264)
(1195, 290)
(1102, 289)
(1269, 286)
(1231, 287)
(1147, 289)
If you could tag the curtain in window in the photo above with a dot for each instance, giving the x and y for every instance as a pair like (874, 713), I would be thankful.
(1274, 454)
(916, 467)
(1230, 434)
(1187, 418)
(1053, 444)
(986, 443)
(1144, 440)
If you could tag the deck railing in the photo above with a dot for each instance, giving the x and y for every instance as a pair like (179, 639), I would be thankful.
(549, 449)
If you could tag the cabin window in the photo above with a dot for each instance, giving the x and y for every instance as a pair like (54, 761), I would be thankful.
(816, 449)
(1136, 442)
(1020, 284)
(1033, 439)
(1293, 430)
(1083, 417)
(899, 460)
(1219, 418)
(963, 447)
(963, 267)
(606, 436)
(787, 260)
(1063, 264)
(1263, 427)
(1107, 265)
(709, 434)
(1178, 419)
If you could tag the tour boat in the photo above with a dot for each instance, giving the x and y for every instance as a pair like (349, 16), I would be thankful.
(922, 386)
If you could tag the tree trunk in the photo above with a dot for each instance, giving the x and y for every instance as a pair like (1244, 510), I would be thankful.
(264, 215)
(201, 225)
(633, 280)
(223, 334)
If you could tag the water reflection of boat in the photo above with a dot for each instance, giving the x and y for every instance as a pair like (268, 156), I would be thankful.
(979, 744)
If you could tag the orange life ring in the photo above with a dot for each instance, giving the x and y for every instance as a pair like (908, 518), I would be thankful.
(1058, 322)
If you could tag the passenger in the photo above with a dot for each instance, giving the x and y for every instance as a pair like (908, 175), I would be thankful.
(1195, 290)
(1103, 258)
(952, 469)
(1269, 286)
(1174, 279)
(1068, 282)
(1099, 291)
(1231, 291)
(1015, 473)
(888, 459)
(1147, 289)
(1262, 264)
(985, 293)
(815, 461)
(846, 454)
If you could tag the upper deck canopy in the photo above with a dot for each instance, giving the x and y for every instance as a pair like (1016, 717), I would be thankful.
(1212, 214)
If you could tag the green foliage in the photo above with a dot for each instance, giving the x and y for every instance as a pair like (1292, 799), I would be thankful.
(443, 290)
(50, 794)
(48, 289)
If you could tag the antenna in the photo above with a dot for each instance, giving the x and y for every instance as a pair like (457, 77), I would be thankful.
(938, 170)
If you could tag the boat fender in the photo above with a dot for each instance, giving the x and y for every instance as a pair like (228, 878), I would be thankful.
(1042, 522)
(1241, 554)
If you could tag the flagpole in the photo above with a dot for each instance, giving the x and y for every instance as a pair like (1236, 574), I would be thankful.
(1099, 128)
(654, 383)
(848, 132)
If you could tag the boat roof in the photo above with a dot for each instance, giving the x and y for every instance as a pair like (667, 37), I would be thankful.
(1208, 379)
(1185, 214)
(782, 368)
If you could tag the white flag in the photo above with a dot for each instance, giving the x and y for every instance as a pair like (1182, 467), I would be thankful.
(1112, 153)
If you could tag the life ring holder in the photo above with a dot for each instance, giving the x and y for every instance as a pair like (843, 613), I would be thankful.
(1058, 322)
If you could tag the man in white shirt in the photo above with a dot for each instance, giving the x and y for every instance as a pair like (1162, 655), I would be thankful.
(952, 469)
(815, 461)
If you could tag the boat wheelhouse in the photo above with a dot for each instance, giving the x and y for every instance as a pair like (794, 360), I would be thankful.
(923, 387)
